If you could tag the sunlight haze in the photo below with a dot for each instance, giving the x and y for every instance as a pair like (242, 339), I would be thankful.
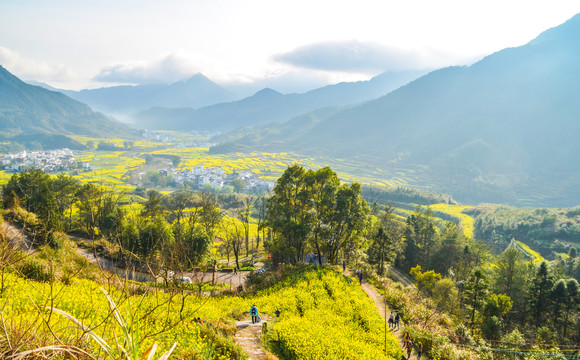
(289, 46)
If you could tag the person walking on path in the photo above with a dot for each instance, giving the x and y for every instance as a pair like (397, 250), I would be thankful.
(409, 349)
(343, 265)
(254, 314)
(419, 350)
(359, 275)
(406, 339)
(397, 320)
(391, 320)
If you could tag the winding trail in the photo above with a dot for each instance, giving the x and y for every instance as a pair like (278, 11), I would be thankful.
(383, 309)
(248, 337)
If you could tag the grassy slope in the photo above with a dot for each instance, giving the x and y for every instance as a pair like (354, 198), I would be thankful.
(324, 316)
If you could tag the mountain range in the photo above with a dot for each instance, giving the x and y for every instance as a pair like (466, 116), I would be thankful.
(27, 110)
(268, 105)
(504, 129)
(125, 100)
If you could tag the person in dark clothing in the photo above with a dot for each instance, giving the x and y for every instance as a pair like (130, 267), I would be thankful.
(277, 312)
(359, 275)
(254, 314)
(419, 350)
(397, 320)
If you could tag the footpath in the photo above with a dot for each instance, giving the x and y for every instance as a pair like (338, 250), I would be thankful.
(380, 304)
(248, 338)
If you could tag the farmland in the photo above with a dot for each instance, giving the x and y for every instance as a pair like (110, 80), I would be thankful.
(114, 167)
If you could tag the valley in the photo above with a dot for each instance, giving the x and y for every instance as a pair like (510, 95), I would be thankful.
(156, 213)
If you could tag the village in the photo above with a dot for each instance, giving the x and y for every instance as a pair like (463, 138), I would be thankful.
(217, 178)
(49, 161)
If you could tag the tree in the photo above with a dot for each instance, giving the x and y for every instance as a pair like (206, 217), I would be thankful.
(349, 219)
(191, 244)
(210, 215)
(381, 250)
(322, 186)
(154, 235)
(511, 278)
(89, 198)
(425, 280)
(474, 294)
(421, 236)
(244, 213)
(289, 215)
(565, 297)
(29, 188)
(177, 203)
(234, 237)
(539, 295)
(260, 210)
(572, 303)
(445, 295)
(65, 189)
(239, 185)
(448, 250)
(559, 302)
(154, 205)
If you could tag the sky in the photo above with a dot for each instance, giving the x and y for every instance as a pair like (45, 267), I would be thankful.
(291, 46)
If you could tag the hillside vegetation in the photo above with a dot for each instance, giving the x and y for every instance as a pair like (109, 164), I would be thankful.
(27, 109)
(501, 130)
(324, 315)
(549, 231)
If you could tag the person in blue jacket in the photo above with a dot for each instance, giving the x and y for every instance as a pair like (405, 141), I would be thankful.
(254, 314)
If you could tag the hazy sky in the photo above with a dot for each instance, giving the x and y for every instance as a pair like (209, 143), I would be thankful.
(288, 45)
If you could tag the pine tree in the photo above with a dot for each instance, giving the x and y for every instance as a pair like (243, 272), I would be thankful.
(539, 297)
(475, 293)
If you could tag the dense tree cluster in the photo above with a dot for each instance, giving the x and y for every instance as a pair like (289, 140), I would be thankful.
(178, 228)
(313, 210)
(494, 297)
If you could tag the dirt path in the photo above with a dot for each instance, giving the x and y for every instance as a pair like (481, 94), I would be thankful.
(17, 236)
(248, 337)
(382, 307)
(399, 276)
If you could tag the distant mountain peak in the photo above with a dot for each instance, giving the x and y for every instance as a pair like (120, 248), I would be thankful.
(197, 78)
(267, 92)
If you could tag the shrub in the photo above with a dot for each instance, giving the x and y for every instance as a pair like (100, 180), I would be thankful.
(35, 269)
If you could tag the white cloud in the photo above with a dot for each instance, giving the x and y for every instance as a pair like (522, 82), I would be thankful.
(169, 68)
(30, 69)
(364, 57)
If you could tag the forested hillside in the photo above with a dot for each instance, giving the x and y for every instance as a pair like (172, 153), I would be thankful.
(501, 130)
(552, 232)
(31, 109)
